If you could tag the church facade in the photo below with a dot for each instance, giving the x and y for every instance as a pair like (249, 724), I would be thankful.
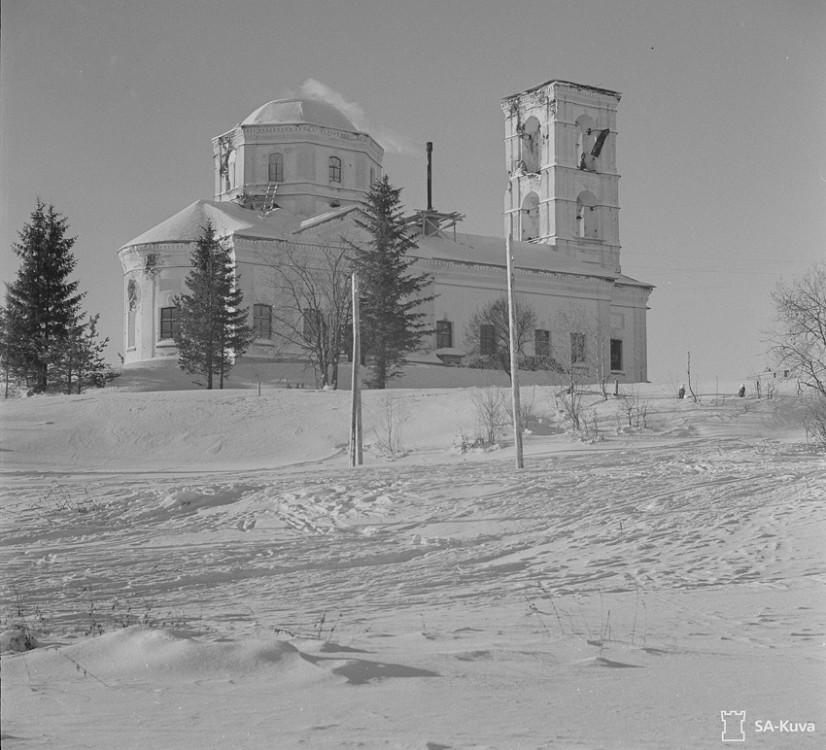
(290, 180)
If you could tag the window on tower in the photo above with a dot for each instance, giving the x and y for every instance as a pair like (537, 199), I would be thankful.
(231, 173)
(530, 217)
(584, 142)
(587, 216)
(275, 170)
(590, 143)
(530, 145)
(334, 166)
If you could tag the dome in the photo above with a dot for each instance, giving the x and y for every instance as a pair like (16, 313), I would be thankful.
(293, 111)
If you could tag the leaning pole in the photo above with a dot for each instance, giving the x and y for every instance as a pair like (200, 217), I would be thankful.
(517, 410)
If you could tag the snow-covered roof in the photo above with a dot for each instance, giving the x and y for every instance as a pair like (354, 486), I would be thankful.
(294, 111)
(335, 214)
(227, 218)
(475, 248)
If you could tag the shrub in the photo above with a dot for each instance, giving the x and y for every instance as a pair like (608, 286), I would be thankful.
(490, 413)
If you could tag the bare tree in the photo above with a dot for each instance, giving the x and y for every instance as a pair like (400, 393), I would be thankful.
(600, 362)
(587, 361)
(588, 358)
(488, 331)
(313, 303)
(799, 343)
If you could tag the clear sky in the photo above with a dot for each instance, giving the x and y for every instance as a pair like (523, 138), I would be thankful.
(109, 107)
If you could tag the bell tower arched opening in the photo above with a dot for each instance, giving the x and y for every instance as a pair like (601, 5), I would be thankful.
(587, 216)
(531, 141)
(529, 217)
(585, 142)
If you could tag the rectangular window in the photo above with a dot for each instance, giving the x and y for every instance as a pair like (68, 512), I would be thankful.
(335, 169)
(487, 339)
(170, 322)
(312, 324)
(444, 334)
(577, 348)
(275, 168)
(262, 321)
(542, 344)
(616, 354)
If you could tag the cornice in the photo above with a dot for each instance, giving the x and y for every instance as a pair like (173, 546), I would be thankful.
(488, 268)
(343, 135)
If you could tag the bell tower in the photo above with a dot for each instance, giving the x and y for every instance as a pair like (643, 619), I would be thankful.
(560, 154)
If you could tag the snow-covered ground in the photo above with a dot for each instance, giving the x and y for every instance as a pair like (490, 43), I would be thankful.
(203, 570)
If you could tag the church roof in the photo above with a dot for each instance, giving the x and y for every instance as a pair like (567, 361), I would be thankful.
(227, 218)
(327, 216)
(480, 249)
(295, 111)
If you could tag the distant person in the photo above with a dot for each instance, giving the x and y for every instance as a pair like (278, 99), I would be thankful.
(742, 391)
(681, 392)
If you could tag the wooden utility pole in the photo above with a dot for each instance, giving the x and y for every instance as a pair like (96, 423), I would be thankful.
(356, 457)
(517, 409)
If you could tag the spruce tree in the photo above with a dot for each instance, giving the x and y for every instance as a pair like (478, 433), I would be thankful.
(42, 304)
(80, 361)
(213, 324)
(391, 326)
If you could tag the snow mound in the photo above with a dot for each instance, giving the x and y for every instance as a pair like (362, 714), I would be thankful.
(138, 653)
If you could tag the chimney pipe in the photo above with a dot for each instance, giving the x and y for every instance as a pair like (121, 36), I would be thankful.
(429, 177)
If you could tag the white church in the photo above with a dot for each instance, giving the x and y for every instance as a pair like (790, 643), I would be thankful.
(294, 175)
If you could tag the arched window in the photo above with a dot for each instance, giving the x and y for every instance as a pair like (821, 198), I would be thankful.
(335, 169)
(231, 170)
(132, 295)
(584, 142)
(587, 216)
(275, 170)
(530, 145)
(529, 219)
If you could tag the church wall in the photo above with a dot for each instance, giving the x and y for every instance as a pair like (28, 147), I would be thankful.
(628, 320)
(153, 276)
(563, 304)
(255, 279)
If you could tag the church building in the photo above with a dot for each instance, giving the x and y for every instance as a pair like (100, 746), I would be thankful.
(292, 177)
